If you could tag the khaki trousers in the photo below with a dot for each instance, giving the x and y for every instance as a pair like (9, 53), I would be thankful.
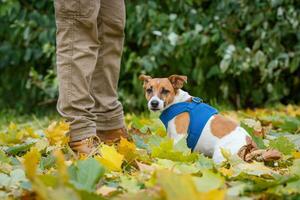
(89, 39)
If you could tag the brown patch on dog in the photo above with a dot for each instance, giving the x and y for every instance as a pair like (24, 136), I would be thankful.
(182, 122)
(222, 126)
(145, 78)
(177, 81)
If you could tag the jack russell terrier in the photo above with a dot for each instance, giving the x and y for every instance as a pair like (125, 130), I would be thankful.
(207, 131)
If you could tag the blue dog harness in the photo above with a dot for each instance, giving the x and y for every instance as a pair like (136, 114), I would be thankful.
(199, 115)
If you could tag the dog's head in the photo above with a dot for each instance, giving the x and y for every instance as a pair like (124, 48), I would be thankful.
(160, 92)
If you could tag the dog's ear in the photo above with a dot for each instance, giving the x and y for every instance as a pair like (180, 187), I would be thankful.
(177, 81)
(145, 78)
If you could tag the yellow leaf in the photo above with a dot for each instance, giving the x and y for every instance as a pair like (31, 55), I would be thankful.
(31, 133)
(83, 156)
(12, 127)
(105, 190)
(226, 153)
(61, 165)
(110, 158)
(226, 172)
(128, 149)
(42, 144)
(296, 154)
(56, 133)
(161, 131)
(181, 187)
(20, 135)
(31, 161)
(213, 195)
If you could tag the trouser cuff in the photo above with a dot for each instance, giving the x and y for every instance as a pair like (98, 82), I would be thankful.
(110, 124)
(82, 133)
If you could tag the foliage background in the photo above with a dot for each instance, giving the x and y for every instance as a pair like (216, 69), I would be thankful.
(246, 53)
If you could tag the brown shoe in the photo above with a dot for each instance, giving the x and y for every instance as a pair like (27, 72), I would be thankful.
(85, 146)
(112, 136)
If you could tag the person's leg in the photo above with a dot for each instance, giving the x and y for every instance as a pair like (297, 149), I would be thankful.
(111, 24)
(77, 52)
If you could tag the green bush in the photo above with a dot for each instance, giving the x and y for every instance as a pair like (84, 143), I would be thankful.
(27, 53)
(246, 53)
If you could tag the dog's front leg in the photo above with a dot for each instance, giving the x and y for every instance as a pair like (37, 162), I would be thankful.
(178, 127)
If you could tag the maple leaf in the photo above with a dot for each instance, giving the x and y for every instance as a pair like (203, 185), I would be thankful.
(130, 184)
(128, 149)
(209, 181)
(85, 174)
(177, 186)
(225, 172)
(31, 161)
(283, 145)
(56, 133)
(179, 167)
(167, 150)
(296, 154)
(254, 168)
(15, 135)
(110, 158)
(61, 166)
(105, 190)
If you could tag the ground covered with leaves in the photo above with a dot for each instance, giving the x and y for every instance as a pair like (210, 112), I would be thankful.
(36, 163)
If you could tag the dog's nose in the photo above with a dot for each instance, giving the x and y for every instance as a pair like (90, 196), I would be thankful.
(154, 103)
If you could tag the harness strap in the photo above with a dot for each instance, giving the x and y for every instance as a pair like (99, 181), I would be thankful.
(199, 114)
(175, 110)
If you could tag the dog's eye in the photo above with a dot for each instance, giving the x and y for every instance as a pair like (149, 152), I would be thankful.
(149, 90)
(164, 91)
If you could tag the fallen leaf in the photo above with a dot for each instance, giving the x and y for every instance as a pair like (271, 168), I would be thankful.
(254, 168)
(182, 187)
(225, 172)
(85, 174)
(128, 149)
(105, 190)
(283, 145)
(61, 166)
(31, 161)
(110, 158)
(56, 133)
(209, 181)
(145, 168)
(130, 184)
(296, 154)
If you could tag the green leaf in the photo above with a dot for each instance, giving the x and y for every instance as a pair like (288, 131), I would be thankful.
(4, 158)
(47, 162)
(181, 146)
(86, 174)
(205, 162)
(295, 168)
(49, 180)
(19, 148)
(166, 150)
(283, 145)
(17, 176)
(89, 196)
(130, 184)
(179, 167)
(4, 180)
(177, 186)
(258, 140)
(290, 124)
(209, 181)
(140, 143)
